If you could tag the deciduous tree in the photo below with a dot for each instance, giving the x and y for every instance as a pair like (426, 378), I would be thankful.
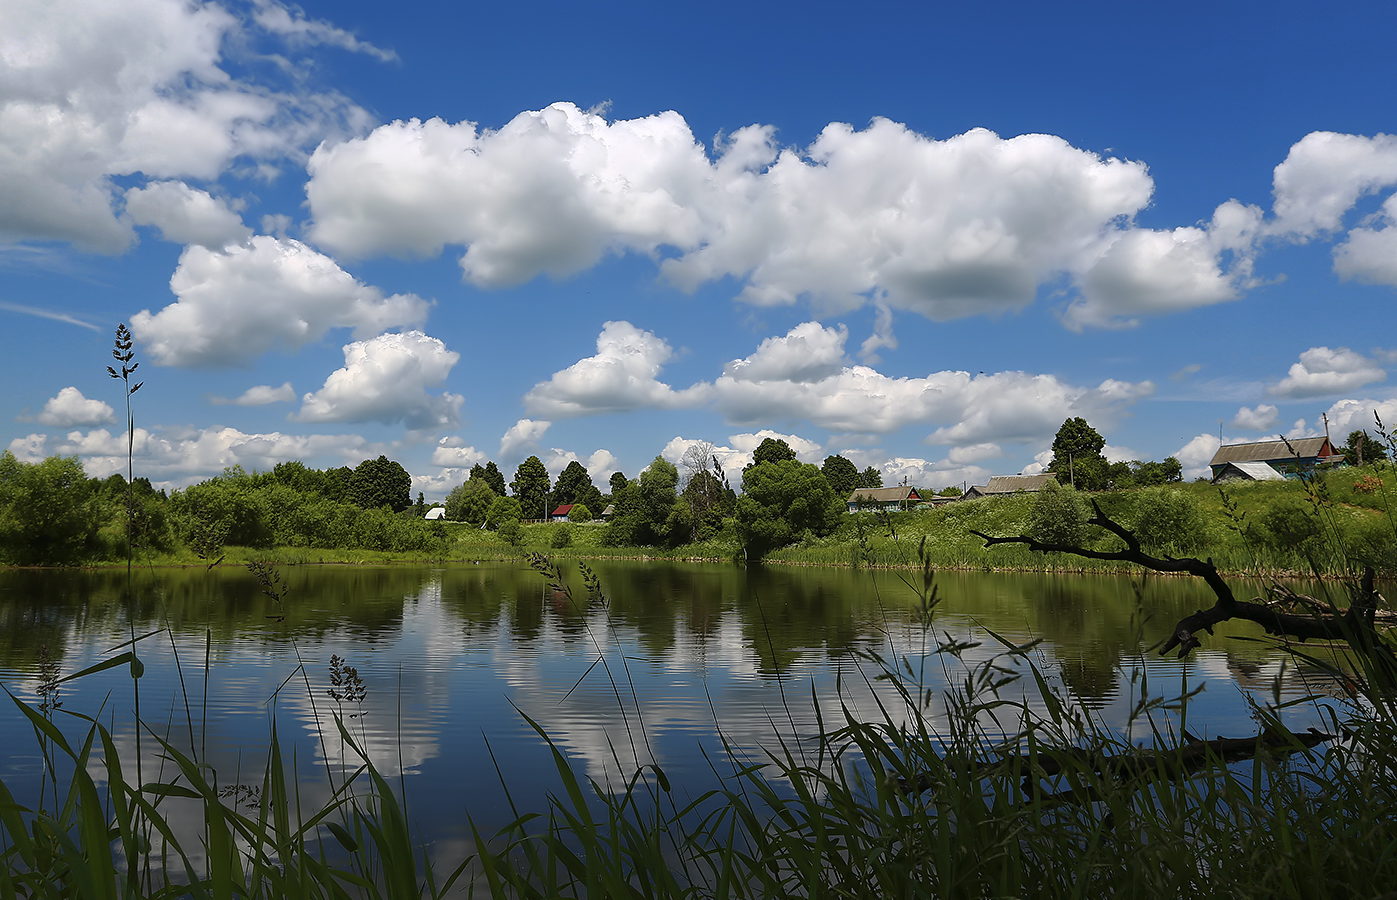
(842, 475)
(380, 482)
(531, 488)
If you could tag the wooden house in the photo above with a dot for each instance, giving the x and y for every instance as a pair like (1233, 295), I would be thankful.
(1293, 459)
(1009, 484)
(900, 497)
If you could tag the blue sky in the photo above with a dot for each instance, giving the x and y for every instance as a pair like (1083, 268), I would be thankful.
(920, 235)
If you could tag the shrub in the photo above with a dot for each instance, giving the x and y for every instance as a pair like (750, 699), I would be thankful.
(580, 513)
(1168, 518)
(1059, 515)
(562, 537)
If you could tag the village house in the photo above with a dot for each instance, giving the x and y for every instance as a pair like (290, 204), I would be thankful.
(1009, 484)
(561, 513)
(1291, 459)
(900, 497)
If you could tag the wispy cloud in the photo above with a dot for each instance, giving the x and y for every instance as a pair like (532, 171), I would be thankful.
(47, 314)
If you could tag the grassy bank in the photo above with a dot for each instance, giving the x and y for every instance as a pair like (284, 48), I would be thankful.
(1268, 528)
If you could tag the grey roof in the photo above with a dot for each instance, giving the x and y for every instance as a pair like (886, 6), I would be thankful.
(1010, 484)
(1300, 448)
(883, 495)
(436, 512)
(1253, 471)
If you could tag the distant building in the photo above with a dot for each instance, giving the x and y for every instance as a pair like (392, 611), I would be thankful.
(1009, 484)
(436, 512)
(610, 511)
(900, 497)
(561, 513)
(1247, 471)
(1292, 459)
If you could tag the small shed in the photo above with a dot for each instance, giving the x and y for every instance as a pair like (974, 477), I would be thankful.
(1009, 484)
(900, 497)
(1247, 471)
(561, 513)
(436, 512)
(610, 511)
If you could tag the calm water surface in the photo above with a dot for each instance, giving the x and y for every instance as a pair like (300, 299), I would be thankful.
(454, 658)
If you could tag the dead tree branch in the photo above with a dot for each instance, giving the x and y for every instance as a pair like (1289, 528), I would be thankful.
(1354, 626)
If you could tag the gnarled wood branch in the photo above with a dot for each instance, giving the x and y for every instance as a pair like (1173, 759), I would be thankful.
(1354, 626)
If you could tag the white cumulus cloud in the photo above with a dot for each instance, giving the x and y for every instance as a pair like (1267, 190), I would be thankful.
(385, 379)
(978, 409)
(1261, 418)
(185, 215)
(237, 303)
(1370, 252)
(91, 90)
(623, 375)
(1196, 454)
(259, 395)
(552, 191)
(71, 408)
(522, 435)
(1323, 371)
(175, 456)
(1358, 415)
(1325, 174)
(1146, 271)
(968, 225)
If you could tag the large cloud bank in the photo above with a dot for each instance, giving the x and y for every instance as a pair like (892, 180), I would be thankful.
(91, 90)
(805, 376)
(971, 224)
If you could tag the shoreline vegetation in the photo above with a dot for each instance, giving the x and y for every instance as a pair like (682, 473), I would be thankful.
(1322, 528)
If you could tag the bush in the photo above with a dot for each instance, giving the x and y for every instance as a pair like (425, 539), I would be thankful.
(1168, 519)
(562, 537)
(1290, 525)
(1059, 515)
(511, 531)
(580, 513)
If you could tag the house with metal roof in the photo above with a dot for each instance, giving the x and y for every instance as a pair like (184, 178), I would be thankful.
(561, 513)
(436, 512)
(1292, 459)
(1009, 484)
(900, 497)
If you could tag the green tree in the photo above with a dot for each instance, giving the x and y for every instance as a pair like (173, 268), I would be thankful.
(574, 486)
(617, 483)
(47, 512)
(643, 508)
(1147, 474)
(659, 485)
(782, 502)
(531, 488)
(1361, 449)
(1077, 458)
(380, 482)
(772, 450)
(470, 502)
(502, 511)
(842, 475)
(580, 512)
(870, 478)
(491, 475)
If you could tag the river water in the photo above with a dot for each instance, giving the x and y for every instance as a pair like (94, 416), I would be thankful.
(670, 661)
